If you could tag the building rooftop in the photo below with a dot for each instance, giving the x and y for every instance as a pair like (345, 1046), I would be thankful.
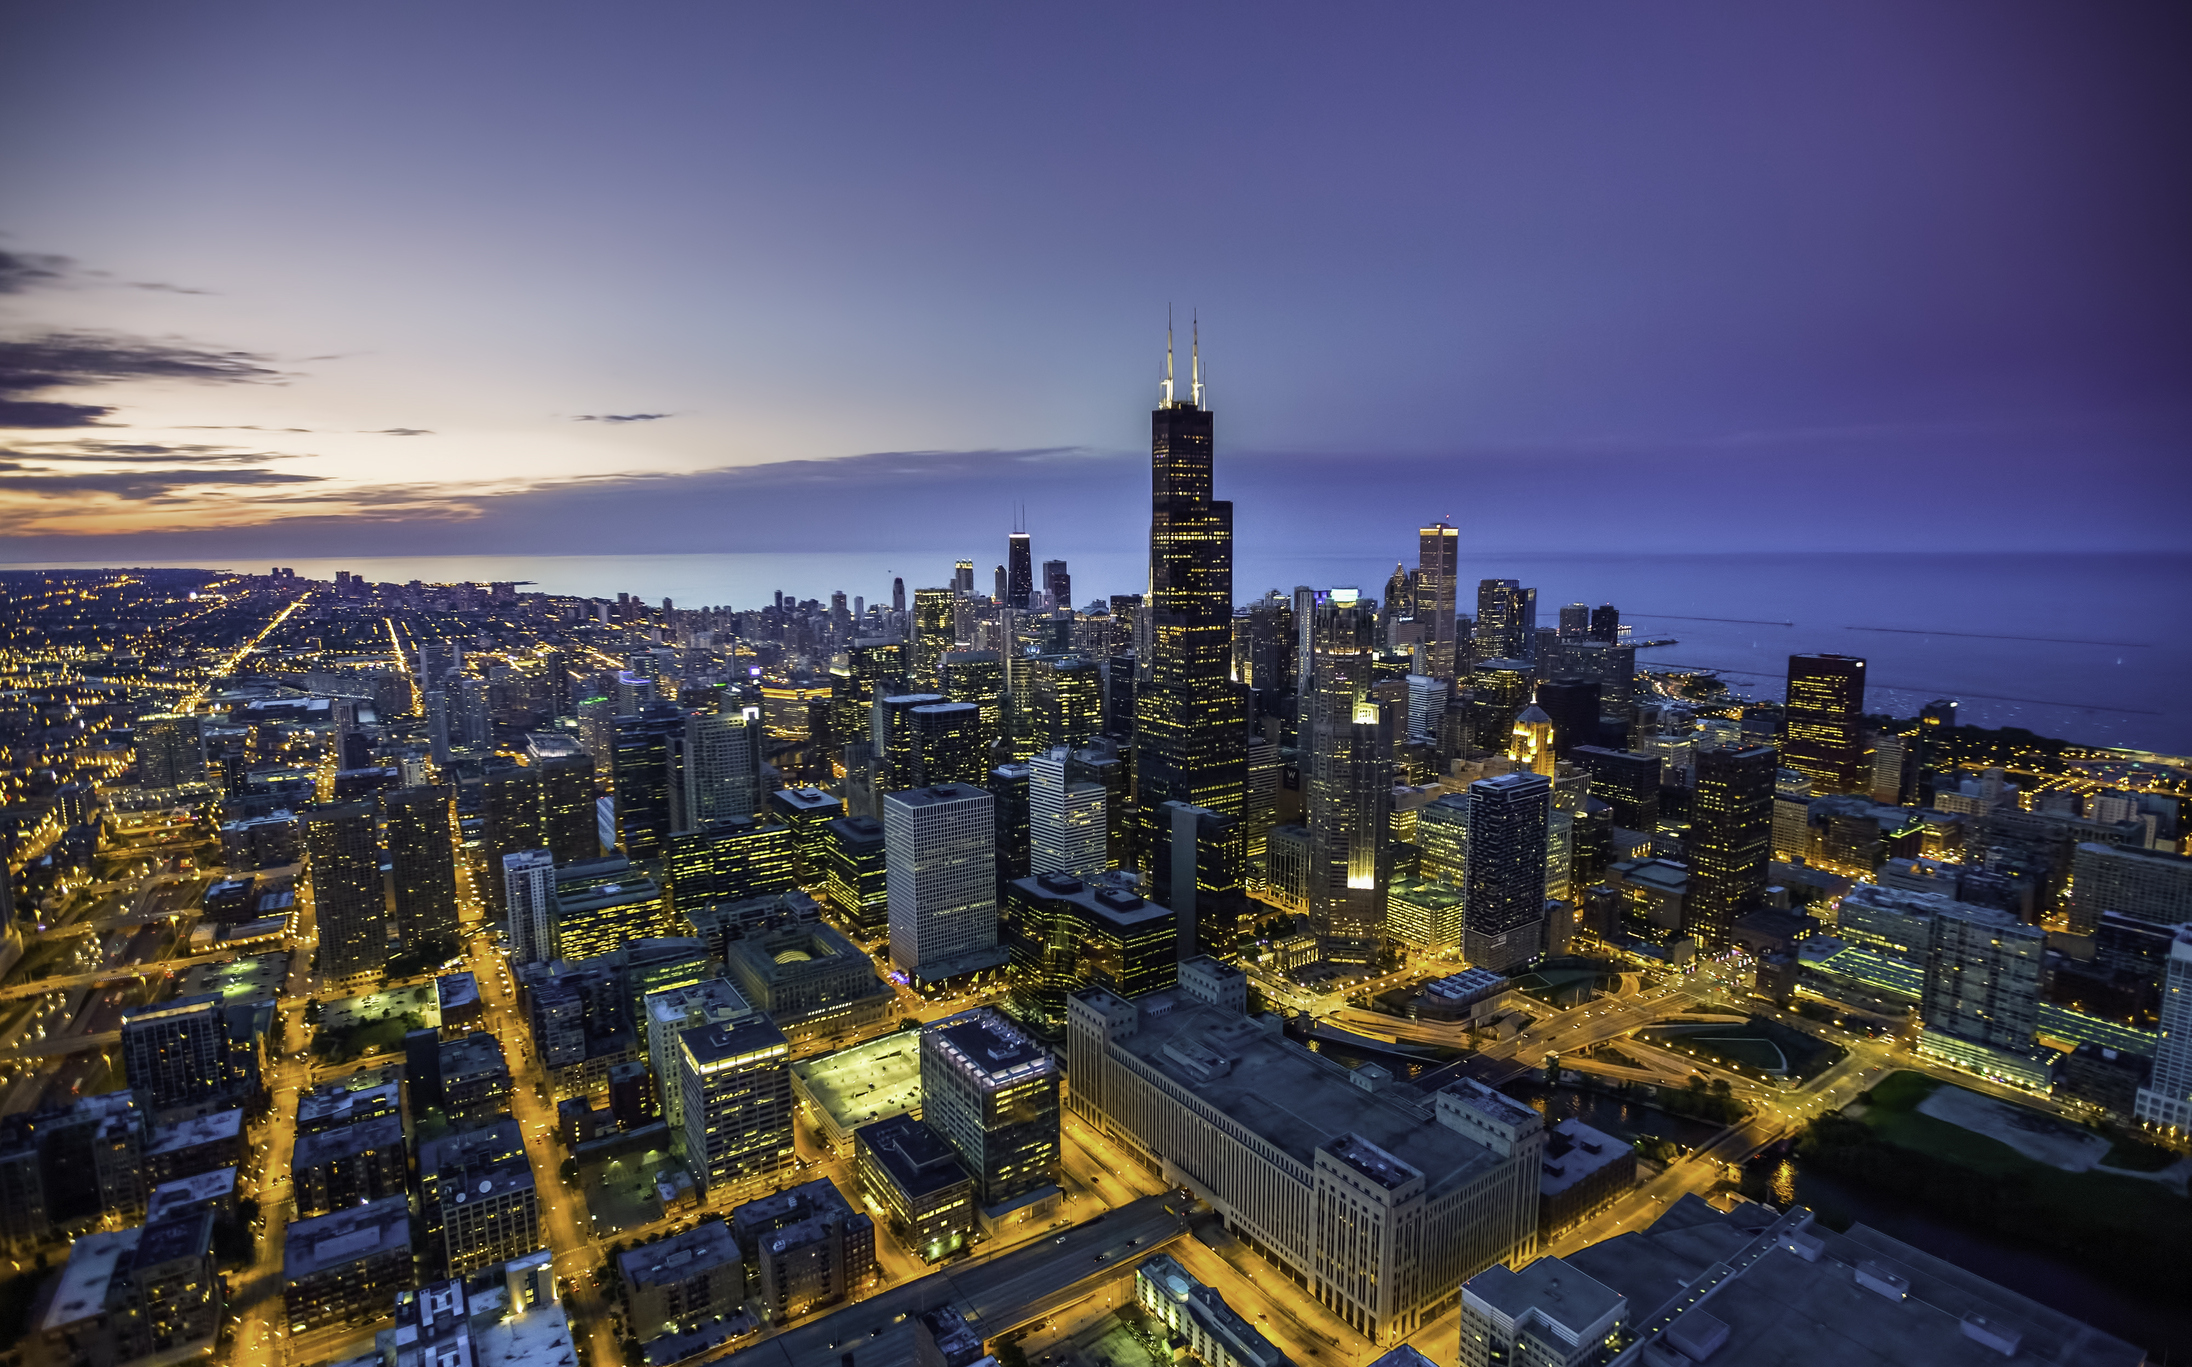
(188, 1193)
(456, 992)
(916, 1158)
(722, 1045)
(1573, 1151)
(346, 1236)
(935, 795)
(787, 1207)
(867, 1082)
(1294, 1099)
(342, 1141)
(1111, 906)
(704, 1246)
(256, 978)
(1473, 984)
(474, 1055)
(804, 799)
(203, 1129)
(1786, 1290)
(187, 1235)
(1549, 1291)
(984, 1043)
(340, 1103)
(82, 1292)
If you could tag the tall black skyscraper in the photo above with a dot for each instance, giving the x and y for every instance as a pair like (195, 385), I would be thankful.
(1505, 877)
(1821, 732)
(646, 779)
(1190, 725)
(1606, 623)
(422, 860)
(1020, 571)
(1058, 583)
(1731, 837)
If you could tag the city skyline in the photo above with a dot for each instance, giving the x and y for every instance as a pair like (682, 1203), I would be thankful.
(1728, 250)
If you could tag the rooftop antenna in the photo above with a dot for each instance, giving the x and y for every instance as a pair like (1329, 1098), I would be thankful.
(1195, 357)
(1165, 389)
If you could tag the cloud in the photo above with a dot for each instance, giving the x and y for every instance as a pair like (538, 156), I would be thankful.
(236, 427)
(163, 288)
(60, 360)
(123, 453)
(400, 432)
(20, 271)
(134, 485)
(621, 417)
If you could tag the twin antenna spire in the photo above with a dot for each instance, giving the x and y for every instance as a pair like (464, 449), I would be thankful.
(1195, 362)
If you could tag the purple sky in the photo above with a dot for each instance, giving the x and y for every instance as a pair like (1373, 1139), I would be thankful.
(312, 279)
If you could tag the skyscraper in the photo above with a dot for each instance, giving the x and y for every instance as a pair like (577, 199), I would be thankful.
(934, 618)
(646, 745)
(1820, 729)
(422, 861)
(1505, 888)
(1572, 703)
(1506, 627)
(978, 677)
(169, 752)
(992, 1093)
(940, 845)
(1348, 782)
(1731, 838)
(1606, 623)
(1058, 583)
(1196, 870)
(1575, 621)
(1020, 572)
(1066, 817)
(719, 767)
(1437, 562)
(349, 903)
(1501, 687)
(962, 576)
(529, 893)
(2166, 1100)
(178, 1053)
(1066, 701)
(1189, 723)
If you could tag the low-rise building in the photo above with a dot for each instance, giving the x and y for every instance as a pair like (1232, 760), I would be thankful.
(197, 1145)
(1582, 1170)
(475, 1079)
(146, 1294)
(339, 1168)
(807, 1247)
(683, 1284)
(1471, 994)
(861, 1085)
(346, 1266)
(1547, 1315)
(506, 1315)
(906, 1170)
(811, 980)
(1199, 1318)
(477, 1196)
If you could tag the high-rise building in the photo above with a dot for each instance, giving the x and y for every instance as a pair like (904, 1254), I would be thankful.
(2146, 885)
(529, 895)
(477, 1196)
(1010, 795)
(1442, 837)
(737, 1105)
(1606, 623)
(934, 618)
(1982, 980)
(669, 1013)
(1731, 838)
(719, 767)
(856, 875)
(1506, 625)
(1625, 781)
(2166, 1100)
(729, 861)
(1437, 567)
(1500, 688)
(179, 1053)
(1531, 741)
(869, 668)
(1505, 879)
(1821, 735)
(1197, 868)
(1066, 701)
(1189, 720)
(1058, 583)
(598, 912)
(896, 741)
(169, 751)
(1348, 782)
(940, 849)
(992, 1093)
(1020, 581)
(349, 896)
(949, 745)
(1067, 826)
(962, 576)
(1572, 704)
(978, 677)
(422, 861)
(647, 791)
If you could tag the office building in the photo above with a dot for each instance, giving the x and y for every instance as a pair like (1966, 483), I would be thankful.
(1822, 734)
(683, 1284)
(719, 760)
(1378, 1200)
(422, 861)
(895, 739)
(349, 897)
(669, 1013)
(646, 780)
(598, 912)
(1198, 868)
(346, 1266)
(978, 677)
(730, 860)
(1068, 818)
(1506, 625)
(1504, 881)
(170, 752)
(2142, 884)
(1058, 583)
(1731, 837)
(940, 853)
(1627, 782)
(947, 744)
(546, 804)
(934, 615)
(1780, 1287)
(2166, 1100)
(1065, 934)
(993, 1094)
(1189, 722)
(812, 981)
(1982, 978)
(807, 1247)
(735, 1105)
(856, 875)
(907, 1171)
(1530, 742)
(147, 1295)
(807, 813)
(1019, 572)
(477, 1198)
(1010, 799)
(473, 1079)
(1432, 602)
(1499, 688)
(1065, 704)
(1546, 1315)
(1198, 1316)
(1347, 778)
(1571, 704)
(1425, 914)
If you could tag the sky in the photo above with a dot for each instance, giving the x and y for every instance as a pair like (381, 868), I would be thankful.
(387, 279)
